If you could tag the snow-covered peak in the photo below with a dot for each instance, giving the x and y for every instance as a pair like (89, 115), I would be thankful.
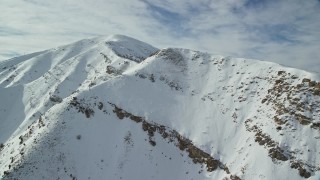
(122, 38)
(118, 108)
(130, 48)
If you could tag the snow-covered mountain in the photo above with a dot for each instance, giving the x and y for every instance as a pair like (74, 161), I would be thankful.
(118, 108)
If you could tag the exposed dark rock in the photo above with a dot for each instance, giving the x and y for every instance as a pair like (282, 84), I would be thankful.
(196, 154)
(82, 107)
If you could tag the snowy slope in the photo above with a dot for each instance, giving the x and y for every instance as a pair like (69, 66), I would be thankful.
(118, 108)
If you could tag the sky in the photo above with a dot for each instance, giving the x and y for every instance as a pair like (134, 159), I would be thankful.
(282, 31)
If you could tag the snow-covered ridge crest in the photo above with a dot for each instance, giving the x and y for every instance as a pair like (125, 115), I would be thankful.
(118, 108)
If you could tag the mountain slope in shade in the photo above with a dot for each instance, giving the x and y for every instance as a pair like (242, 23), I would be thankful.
(118, 108)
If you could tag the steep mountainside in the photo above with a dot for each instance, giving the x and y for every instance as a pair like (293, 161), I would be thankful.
(117, 108)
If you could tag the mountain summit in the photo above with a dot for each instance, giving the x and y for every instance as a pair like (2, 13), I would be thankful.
(118, 108)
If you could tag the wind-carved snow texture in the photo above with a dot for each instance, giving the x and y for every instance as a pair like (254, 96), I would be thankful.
(118, 108)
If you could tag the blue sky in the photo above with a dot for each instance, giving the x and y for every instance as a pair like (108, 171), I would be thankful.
(282, 31)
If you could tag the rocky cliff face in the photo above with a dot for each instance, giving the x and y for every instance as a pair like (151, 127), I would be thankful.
(117, 108)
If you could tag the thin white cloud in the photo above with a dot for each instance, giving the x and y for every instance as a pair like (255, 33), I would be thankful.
(284, 31)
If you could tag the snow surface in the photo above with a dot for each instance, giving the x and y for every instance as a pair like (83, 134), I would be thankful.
(214, 101)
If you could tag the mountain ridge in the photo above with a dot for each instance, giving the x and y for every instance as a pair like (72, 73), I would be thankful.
(234, 111)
